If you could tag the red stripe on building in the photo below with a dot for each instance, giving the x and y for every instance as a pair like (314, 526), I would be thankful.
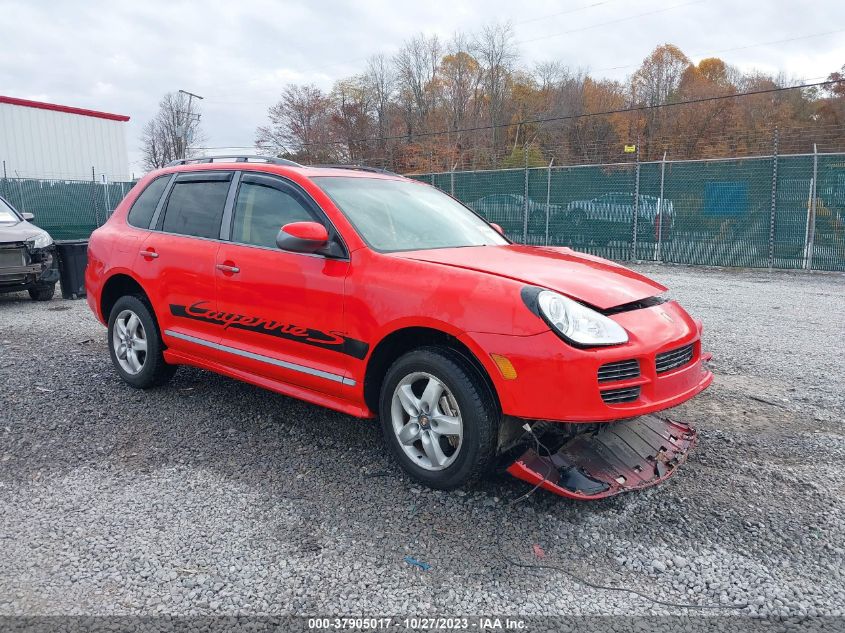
(26, 103)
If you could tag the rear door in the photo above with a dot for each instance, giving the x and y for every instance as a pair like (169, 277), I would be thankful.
(177, 261)
(286, 308)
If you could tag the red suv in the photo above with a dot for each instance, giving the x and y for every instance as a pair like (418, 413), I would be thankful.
(376, 295)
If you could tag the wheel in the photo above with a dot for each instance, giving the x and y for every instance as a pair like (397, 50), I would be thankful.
(438, 418)
(42, 292)
(135, 344)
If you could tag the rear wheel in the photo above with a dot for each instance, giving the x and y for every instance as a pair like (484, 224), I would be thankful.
(135, 344)
(438, 418)
(42, 292)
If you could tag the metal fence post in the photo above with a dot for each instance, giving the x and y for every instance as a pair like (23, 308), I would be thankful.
(811, 219)
(636, 206)
(452, 180)
(525, 196)
(5, 181)
(106, 196)
(22, 202)
(548, 197)
(774, 201)
(94, 196)
(659, 255)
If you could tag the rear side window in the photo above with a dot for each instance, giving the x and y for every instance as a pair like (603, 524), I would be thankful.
(145, 205)
(262, 210)
(195, 208)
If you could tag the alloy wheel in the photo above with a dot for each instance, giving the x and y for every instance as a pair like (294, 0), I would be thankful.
(427, 421)
(129, 340)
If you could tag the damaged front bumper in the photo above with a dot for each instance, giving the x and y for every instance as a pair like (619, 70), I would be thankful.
(23, 267)
(619, 457)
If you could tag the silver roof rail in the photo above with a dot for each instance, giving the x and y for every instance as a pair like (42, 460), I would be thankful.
(242, 158)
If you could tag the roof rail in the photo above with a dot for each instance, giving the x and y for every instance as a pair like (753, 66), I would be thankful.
(241, 158)
(375, 170)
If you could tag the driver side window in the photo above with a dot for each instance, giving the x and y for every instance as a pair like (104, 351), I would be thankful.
(261, 210)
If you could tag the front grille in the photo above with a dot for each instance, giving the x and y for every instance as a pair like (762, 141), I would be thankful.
(618, 396)
(620, 370)
(12, 257)
(673, 359)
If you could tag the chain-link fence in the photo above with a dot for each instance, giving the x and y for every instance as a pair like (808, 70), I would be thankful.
(67, 209)
(785, 211)
(780, 211)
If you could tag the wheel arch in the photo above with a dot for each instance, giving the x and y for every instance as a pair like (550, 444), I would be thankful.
(119, 285)
(405, 339)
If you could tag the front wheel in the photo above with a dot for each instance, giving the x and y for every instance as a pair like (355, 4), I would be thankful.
(135, 344)
(438, 418)
(42, 292)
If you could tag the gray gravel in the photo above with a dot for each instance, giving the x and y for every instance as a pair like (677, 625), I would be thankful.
(214, 497)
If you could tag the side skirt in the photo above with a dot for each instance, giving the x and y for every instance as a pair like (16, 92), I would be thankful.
(314, 397)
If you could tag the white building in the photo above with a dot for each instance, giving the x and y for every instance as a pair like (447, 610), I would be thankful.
(56, 142)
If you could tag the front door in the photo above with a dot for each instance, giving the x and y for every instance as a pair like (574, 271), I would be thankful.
(283, 311)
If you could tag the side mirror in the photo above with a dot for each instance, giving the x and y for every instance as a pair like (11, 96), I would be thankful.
(498, 228)
(302, 237)
(28, 216)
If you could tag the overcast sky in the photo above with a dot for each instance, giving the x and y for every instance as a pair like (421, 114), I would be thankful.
(237, 55)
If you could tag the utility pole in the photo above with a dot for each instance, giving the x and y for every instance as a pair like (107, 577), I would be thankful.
(189, 118)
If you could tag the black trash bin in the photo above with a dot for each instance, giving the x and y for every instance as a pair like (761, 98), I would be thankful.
(73, 258)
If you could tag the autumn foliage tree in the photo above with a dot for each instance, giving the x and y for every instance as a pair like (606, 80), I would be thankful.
(467, 102)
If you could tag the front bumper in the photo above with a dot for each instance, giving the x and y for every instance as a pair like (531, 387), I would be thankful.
(620, 457)
(40, 267)
(558, 382)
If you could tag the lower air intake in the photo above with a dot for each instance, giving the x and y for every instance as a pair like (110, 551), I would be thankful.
(620, 396)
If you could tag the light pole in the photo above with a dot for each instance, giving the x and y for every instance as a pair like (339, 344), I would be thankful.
(188, 120)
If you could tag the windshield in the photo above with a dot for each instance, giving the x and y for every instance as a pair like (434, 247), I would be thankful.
(396, 215)
(6, 213)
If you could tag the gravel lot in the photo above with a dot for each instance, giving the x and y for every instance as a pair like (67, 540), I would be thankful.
(212, 496)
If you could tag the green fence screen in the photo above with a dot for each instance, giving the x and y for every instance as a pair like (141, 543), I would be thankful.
(67, 209)
(783, 211)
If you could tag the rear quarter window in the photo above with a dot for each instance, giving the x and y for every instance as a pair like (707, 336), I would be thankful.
(141, 213)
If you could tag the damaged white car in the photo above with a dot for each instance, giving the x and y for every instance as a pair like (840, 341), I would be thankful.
(27, 255)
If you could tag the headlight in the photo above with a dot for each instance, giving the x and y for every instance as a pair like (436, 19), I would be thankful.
(577, 323)
(42, 240)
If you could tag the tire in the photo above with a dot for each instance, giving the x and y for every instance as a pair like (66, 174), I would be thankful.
(465, 393)
(149, 370)
(42, 292)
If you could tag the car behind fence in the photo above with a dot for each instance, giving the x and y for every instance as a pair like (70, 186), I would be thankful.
(785, 211)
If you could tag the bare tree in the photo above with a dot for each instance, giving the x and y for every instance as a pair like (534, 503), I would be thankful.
(495, 49)
(461, 77)
(416, 70)
(380, 80)
(351, 107)
(163, 136)
(299, 125)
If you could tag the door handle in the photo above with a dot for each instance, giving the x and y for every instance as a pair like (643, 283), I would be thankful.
(228, 269)
(150, 254)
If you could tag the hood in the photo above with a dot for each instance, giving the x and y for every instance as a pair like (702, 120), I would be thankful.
(592, 280)
(18, 231)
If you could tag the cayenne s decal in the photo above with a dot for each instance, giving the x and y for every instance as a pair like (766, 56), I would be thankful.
(201, 311)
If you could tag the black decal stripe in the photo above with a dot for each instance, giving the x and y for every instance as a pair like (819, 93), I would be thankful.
(349, 346)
